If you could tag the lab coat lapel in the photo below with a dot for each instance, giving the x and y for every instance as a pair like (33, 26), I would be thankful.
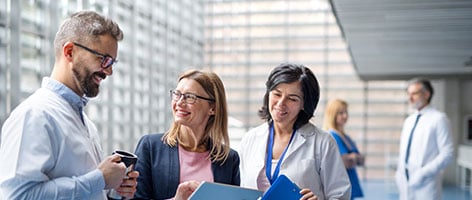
(261, 148)
(297, 142)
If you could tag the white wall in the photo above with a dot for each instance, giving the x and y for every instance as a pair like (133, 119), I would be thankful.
(454, 97)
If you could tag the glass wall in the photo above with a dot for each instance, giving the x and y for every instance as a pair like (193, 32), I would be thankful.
(245, 39)
(161, 39)
(241, 40)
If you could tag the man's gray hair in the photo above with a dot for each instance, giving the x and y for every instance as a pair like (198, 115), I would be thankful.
(85, 27)
(425, 83)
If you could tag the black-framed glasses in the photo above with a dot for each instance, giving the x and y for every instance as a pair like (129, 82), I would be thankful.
(107, 60)
(188, 97)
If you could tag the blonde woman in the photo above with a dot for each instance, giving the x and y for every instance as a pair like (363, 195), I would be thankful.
(335, 119)
(196, 147)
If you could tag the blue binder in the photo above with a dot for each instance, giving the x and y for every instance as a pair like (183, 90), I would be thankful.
(282, 189)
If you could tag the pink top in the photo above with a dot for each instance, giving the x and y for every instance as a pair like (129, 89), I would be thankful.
(262, 181)
(195, 166)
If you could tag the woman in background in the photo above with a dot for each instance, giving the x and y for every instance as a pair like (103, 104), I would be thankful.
(196, 147)
(335, 119)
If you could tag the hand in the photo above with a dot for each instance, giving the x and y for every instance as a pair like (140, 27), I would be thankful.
(360, 159)
(307, 194)
(349, 160)
(416, 179)
(128, 186)
(113, 171)
(186, 189)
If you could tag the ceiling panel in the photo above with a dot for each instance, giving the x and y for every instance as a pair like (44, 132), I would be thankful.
(399, 39)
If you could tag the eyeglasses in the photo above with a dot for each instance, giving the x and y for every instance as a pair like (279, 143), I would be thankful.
(188, 97)
(107, 60)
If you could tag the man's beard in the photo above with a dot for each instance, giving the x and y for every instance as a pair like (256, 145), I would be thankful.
(418, 104)
(87, 83)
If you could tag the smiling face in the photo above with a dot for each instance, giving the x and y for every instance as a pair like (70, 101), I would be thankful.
(285, 102)
(86, 67)
(195, 116)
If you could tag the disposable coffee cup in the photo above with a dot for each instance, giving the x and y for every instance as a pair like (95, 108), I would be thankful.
(129, 159)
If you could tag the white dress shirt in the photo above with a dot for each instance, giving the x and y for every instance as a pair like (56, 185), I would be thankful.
(47, 152)
(312, 161)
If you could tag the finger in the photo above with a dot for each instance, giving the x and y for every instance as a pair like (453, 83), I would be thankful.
(129, 183)
(195, 184)
(133, 174)
(304, 191)
(122, 165)
(115, 158)
(127, 195)
(307, 196)
(126, 191)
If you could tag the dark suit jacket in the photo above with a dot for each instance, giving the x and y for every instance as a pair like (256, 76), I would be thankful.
(159, 168)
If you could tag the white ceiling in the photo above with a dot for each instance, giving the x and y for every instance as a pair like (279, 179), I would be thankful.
(399, 39)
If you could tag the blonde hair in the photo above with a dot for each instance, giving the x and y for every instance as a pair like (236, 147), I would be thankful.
(216, 131)
(331, 111)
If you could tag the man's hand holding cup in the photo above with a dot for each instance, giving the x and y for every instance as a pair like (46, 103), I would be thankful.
(126, 187)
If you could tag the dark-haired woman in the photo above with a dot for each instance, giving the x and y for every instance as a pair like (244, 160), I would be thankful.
(287, 143)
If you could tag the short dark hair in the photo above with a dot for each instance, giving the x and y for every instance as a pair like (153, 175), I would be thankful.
(425, 83)
(289, 73)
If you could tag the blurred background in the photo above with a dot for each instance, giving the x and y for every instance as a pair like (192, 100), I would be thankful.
(360, 51)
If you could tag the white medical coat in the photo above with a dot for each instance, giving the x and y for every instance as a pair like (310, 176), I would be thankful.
(431, 151)
(327, 179)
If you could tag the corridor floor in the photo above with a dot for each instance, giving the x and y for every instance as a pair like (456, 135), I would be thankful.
(380, 190)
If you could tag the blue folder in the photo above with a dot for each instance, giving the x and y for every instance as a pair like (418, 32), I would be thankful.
(282, 189)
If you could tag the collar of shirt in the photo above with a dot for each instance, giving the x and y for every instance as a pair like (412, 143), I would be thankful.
(422, 111)
(77, 102)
